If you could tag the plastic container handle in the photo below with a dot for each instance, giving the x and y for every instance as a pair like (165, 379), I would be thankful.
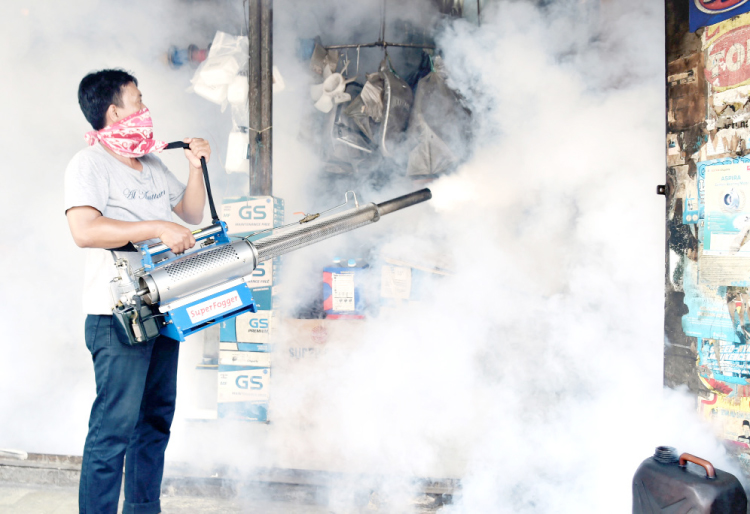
(686, 457)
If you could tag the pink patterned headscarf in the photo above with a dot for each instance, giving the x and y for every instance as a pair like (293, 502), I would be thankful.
(132, 136)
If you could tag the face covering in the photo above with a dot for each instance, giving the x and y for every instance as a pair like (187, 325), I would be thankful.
(132, 136)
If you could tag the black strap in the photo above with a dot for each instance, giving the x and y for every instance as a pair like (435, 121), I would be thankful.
(214, 216)
(130, 247)
(180, 144)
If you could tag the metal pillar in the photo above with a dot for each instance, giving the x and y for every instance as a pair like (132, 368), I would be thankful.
(260, 78)
(266, 95)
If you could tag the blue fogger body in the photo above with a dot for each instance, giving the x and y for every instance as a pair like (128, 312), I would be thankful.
(176, 296)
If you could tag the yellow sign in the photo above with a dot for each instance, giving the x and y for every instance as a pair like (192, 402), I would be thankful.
(712, 33)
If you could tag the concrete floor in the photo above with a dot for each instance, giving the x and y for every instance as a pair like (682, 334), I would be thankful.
(30, 499)
(50, 499)
(48, 484)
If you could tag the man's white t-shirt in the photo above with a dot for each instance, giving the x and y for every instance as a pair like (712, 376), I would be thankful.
(96, 179)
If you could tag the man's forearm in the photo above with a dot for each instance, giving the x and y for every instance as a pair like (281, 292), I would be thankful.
(194, 199)
(104, 232)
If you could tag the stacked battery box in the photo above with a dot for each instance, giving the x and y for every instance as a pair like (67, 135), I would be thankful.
(252, 327)
(244, 383)
(246, 215)
(245, 341)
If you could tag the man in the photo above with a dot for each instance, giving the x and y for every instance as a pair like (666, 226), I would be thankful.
(745, 437)
(117, 192)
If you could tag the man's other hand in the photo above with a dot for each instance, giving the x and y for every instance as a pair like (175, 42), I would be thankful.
(176, 237)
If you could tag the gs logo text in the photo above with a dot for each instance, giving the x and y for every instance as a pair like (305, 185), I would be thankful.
(253, 382)
(248, 212)
(259, 323)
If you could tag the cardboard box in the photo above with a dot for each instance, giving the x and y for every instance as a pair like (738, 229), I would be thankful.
(298, 341)
(245, 215)
(395, 282)
(405, 281)
(244, 385)
(249, 327)
(266, 298)
(245, 359)
(244, 347)
(255, 327)
(266, 274)
(402, 282)
(266, 302)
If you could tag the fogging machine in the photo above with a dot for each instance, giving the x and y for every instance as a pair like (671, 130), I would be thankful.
(176, 296)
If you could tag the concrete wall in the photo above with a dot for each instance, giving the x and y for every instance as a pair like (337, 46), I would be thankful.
(707, 327)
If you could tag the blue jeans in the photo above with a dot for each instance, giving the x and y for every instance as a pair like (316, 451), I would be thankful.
(130, 420)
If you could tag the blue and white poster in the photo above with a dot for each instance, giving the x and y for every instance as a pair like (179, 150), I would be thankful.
(727, 210)
(710, 12)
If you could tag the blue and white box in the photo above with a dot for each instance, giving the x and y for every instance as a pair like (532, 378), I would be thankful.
(245, 215)
(266, 274)
(244, 347)
(256, 328)
(265, 298)
(252, 329)
(244, 385)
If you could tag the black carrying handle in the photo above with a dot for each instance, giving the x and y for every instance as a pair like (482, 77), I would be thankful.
(185, 146)
(130, 247)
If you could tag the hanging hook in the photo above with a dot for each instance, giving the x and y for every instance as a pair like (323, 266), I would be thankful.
(345, 69)
(346, 199)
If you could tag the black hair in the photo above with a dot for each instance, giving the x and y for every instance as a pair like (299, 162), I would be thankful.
(100, 89)
(745, 422)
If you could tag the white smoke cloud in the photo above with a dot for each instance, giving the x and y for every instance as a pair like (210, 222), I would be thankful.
(535, 372)
(45, 373)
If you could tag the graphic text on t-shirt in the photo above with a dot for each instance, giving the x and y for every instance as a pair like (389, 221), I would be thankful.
(142, 194)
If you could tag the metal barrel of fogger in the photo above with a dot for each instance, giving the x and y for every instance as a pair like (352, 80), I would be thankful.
(285, 242)
(199, 271)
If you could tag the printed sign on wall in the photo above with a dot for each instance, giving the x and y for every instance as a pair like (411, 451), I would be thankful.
(726, 53)
(710, 12)
(729, 413)
(703, 168)
(727, 210)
